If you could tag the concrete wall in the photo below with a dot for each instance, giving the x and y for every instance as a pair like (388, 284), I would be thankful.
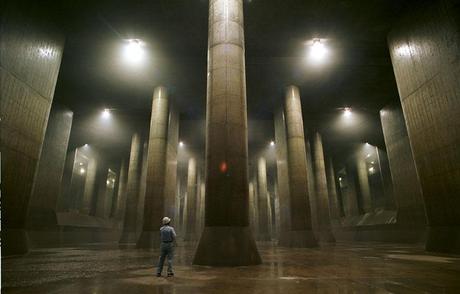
(407, 190)
(425, 52)
(30, 57)
(47, 187)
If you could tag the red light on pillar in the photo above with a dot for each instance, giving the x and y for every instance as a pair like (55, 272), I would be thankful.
(223, 167)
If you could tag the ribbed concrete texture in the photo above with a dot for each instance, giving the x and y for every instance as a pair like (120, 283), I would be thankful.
(171, 163)
(30, 57)
(300, 233)
(190, 222)
(364, 190)
(334, 204)
(263, 201)
(47, 187)
(406, 185)
(121, 193)
(132, 191)
(156, 167)
(425, 52)
(226, 239)
(322, 195)
(282, 171)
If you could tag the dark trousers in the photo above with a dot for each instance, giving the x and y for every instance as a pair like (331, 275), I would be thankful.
(166, 251)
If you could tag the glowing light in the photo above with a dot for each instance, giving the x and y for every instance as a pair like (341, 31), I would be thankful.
(317, 51)
(82, 171)
(181, 144)
(106, 114)
(340, 179)
(133, 51)
(223, 167)
(272, 143)
(45, 52)
(347, 112)
(403, 50)
(108, 182)
(368, 155)
(86, 145)
(371, 169)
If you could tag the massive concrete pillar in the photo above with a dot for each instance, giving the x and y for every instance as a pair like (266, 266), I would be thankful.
(300, 233)
(276, 211)
(271, 224)
(334, 205)
(47, 187)
(103, 188)
(282, 173)
(202, 188)
(177, 211)
(350, 197)
(322, 195)
(132, 191)
(263, 201)
(406, 185)
(190, 222)
(90, 184)
(121, 193)
(156, 168)
(425, 52)
(363, 181)
(171, 163)
(30, 57)
(251, 205)
(142, 189)
(311, 186)
(226, 239)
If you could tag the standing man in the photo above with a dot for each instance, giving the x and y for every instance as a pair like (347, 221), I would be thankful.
(168, 239)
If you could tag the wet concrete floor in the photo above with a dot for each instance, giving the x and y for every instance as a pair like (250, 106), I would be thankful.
(343, 268)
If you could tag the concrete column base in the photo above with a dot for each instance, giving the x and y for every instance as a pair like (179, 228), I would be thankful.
(128, 237)
(443, 239)
(14, 241)
(326, 236)
(298, 239)
(149, 239)
(227, 246)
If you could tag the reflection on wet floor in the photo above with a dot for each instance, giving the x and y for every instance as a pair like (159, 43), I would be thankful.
(344, 268)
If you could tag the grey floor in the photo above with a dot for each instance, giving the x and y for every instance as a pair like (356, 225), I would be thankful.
(343, 268)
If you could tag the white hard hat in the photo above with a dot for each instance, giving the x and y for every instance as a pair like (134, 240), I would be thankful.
(166, 220)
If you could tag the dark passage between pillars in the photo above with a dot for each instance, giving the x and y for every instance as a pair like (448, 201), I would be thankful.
(227, 239)
(425, 52)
